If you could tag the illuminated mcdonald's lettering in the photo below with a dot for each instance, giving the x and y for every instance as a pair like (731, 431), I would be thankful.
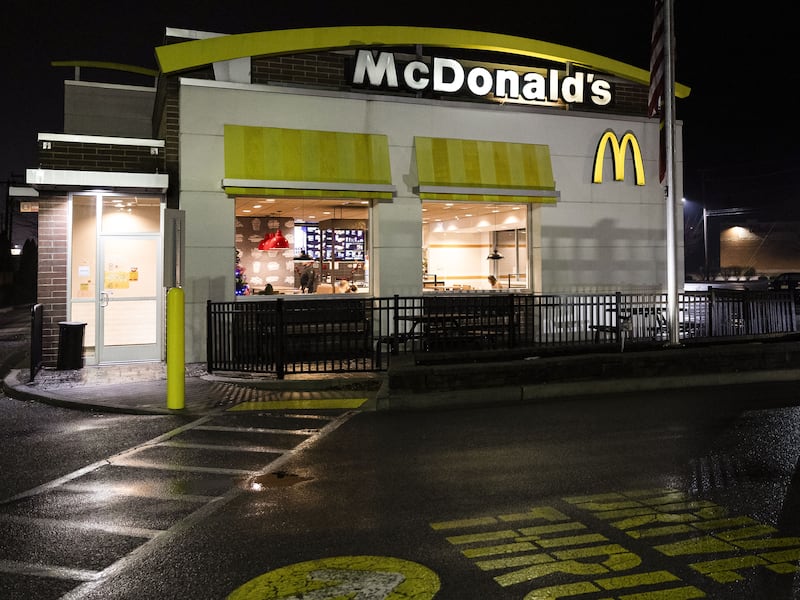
(618, 149)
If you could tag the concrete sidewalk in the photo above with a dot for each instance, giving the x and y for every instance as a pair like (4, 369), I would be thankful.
(141, 388)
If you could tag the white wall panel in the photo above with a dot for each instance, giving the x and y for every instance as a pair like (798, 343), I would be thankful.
(598, 236)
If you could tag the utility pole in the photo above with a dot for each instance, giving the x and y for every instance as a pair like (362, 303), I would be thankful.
(669, 192)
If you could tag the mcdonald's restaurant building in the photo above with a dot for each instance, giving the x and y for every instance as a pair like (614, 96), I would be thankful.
(411, 161)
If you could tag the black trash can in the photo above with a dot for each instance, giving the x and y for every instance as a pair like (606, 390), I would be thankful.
(70, 345)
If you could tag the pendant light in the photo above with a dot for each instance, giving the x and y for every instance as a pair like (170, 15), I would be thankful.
(494, 254)
(273, 241)
(280, 240)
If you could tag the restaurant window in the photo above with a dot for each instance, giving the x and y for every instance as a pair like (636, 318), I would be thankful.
(301, 246)
(474, 246)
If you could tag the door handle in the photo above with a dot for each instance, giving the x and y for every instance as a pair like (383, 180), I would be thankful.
(105, 297)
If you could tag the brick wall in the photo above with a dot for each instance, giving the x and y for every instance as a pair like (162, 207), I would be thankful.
(52, 277)
(86, 156)
(317, 69)
(166, 126)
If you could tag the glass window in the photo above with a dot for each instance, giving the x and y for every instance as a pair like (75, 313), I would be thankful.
(474, 246)
(131, 214)
(84, 246)
(297, 246)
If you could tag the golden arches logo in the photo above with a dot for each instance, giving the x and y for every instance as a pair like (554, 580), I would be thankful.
(618, 149)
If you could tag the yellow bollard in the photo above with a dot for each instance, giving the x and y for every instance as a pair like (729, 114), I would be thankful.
(176, 368)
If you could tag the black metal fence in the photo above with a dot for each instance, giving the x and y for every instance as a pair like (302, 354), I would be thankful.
(354, 333)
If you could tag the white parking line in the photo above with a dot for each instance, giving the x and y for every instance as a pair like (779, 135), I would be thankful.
(138, 532)
(13, 567)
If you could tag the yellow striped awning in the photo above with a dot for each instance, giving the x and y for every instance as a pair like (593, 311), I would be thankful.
(274, 161)
(453, 169)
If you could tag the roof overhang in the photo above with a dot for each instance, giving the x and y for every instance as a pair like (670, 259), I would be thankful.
(54, 179)
(20, 191)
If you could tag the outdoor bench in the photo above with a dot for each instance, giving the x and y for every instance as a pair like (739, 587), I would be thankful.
(309, 330)
(465, 321)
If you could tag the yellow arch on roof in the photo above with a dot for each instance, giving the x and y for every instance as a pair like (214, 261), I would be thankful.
(174, 58)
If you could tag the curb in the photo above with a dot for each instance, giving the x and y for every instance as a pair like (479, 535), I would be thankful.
(545, 392)
(14, 388)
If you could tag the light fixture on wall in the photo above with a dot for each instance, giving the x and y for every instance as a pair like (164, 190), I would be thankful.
(494, 254)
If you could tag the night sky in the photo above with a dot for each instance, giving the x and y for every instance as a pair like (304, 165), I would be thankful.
(740, 124)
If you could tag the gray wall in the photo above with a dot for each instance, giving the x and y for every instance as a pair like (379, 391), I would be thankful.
(108, 109)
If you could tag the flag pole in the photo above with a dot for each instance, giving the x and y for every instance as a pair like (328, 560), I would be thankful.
(670, 182)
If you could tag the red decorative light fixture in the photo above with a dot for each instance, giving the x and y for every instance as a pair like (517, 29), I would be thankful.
(273, 241)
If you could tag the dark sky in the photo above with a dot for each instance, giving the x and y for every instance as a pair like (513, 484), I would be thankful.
(740, 123)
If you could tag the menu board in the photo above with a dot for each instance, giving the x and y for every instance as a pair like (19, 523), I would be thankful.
(343, 244)
(338, 243)
(348, 244)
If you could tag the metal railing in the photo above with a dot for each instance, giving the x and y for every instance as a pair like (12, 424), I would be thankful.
(301, 335)
(37, 327)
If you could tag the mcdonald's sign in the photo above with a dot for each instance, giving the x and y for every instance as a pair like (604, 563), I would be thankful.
(618, 149)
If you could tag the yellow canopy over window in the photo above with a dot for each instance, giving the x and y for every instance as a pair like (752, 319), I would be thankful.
(452, 169)
(272, 161)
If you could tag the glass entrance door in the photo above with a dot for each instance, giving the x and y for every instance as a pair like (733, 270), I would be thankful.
(116, 276)
(128, 302)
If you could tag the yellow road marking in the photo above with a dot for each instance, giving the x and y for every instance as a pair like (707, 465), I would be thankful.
(535, 532)
(562, 591)
(783, 568)
(627, 581)
(570, 567)
(750, 532)
(767, 543)
(701, 545)
(659, 531)
(514, 561)
(482, 537)
(782, 556)
(725, 523)
(500, 549)
(724, 570)
(617, 557)
(343, 577)
(572, 540)
(642, 520)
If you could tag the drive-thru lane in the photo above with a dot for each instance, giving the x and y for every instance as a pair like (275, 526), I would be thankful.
(686, 494)
(69, 534)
